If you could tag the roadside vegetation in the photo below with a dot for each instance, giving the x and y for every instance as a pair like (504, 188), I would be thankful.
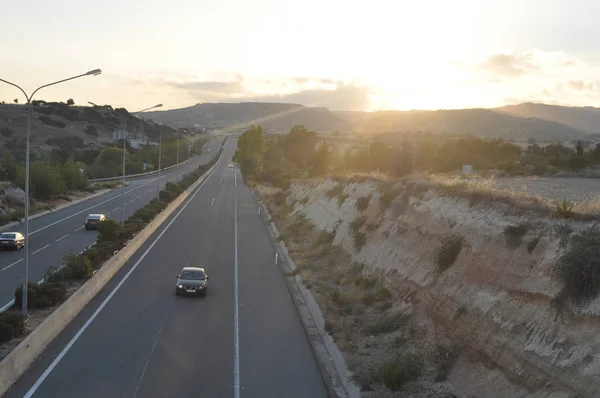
(77, 268)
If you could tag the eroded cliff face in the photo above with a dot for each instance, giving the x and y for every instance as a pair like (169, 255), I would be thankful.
(493, 303)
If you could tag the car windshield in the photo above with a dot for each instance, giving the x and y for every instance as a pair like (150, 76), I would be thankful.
(192, 275)
(7, 236)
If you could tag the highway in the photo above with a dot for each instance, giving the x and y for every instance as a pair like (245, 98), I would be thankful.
(53, 235)
(137, 339)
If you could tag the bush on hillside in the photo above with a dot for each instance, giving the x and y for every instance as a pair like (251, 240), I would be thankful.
(51, 122)
(579, 269)
(12, 324)
(91, 130)
(448, 252)
(405, 368)
(6, 132)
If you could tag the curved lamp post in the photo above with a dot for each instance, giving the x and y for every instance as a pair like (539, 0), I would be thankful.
(123, 128)
(29, 98)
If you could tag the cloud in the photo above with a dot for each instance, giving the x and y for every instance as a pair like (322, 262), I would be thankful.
(508, 65)
(306, 80)
(342, 96)
(580, 85)
(212, 87)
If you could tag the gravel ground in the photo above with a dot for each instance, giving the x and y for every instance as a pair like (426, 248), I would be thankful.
(572, 189)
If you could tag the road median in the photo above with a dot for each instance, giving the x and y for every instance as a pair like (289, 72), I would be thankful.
(33, 345)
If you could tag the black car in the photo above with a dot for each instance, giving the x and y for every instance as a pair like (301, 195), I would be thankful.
(12, 240)
(192, 281)
(93, 221)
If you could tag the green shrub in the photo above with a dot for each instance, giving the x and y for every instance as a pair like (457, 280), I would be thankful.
(517, 231)
(448, 252)
(7, 332)
(109, 230)
(77, 267)
(387, 195)
(363, 203)
(342, 198)
(386, 325)
(565, 209)
(360, 239)
(14, 318)
(42, 295)
(401, 370)
(51, 122)
(325, 237)
(533, 244)
(335, 191)
(358, 223)
(91, 130)
(579, 269)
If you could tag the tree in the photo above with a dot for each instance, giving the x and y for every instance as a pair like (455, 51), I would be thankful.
(70, 102)
(16, 100)
(9, 167)
(110, 161)
(251, 150)
(45, 180)
(579, 148)
(298, 146)
(322, 160)
(71, 174)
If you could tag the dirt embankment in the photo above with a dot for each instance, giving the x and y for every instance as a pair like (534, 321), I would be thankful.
(430, 294)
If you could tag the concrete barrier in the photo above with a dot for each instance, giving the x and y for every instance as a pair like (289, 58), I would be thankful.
(19, 360)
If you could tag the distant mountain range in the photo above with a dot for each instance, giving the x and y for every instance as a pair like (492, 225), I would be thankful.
(519, 122)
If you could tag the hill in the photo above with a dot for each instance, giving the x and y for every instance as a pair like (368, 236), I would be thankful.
(480, 122)
(272, 116)
(582, 118)
(54, 123)
(280, 117)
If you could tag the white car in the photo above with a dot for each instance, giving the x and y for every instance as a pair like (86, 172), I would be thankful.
(12, 240)
(230, 165)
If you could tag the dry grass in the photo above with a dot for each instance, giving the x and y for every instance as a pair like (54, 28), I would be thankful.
(357, 305)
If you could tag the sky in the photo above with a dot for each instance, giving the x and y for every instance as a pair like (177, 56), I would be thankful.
(375, 55)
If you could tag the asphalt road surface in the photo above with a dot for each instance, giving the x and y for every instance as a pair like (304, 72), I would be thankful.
(137, 339)
(55, 234)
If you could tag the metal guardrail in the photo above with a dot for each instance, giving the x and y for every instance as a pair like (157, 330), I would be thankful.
(149, 173)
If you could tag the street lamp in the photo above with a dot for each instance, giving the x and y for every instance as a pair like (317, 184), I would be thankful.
(124, 121)
(29, 98)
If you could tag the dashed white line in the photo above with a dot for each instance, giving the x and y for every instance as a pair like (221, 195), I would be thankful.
(213, 201)
(80, 228)
(59, 239)
(66, 349)
(115, 209)
(40, 249)
(8, 266)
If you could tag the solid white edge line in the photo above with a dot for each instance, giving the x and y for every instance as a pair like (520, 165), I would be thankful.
(15, 263)
(40, 249)
(236, 370)
(74, 339)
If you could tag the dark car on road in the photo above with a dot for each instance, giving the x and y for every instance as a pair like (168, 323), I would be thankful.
(192, 281)
(12, 240)
(93, 221)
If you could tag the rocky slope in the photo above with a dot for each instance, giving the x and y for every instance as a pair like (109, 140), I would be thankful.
(485, 326)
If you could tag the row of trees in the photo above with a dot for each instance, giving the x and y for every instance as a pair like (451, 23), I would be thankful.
(68, 167)
(277, 158)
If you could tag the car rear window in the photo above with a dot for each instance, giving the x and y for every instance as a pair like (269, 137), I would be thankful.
(93, 217)
(192, 274)
(7, 236)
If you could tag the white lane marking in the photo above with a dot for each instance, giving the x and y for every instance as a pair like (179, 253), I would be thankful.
(139, 196)
(162, 325)
(236, 360)
(40, 249)
(59, 239)
(116, 208)
(235, 178)
(86, 209)
(73, 340)
(8, 266)
(80, 228)
(213, 201)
